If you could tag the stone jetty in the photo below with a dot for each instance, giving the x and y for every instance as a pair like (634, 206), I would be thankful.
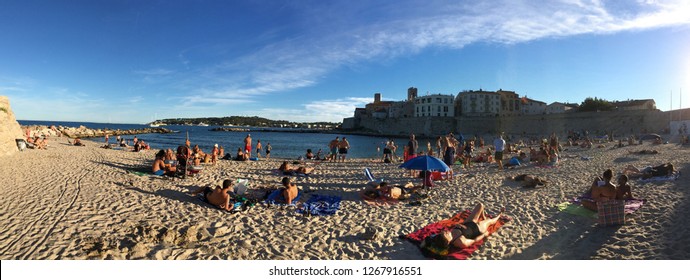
(85, 132)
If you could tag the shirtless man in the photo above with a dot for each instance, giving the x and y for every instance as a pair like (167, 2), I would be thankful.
(602, 189)
(290, 190)
(333, 145)
(218, 196)
(258, 148)
(343, 147)
(248, 145)
(624, 191)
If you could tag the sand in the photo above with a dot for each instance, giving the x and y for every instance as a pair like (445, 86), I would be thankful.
(72, 202)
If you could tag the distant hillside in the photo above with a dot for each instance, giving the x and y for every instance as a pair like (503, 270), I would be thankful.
(247, 121)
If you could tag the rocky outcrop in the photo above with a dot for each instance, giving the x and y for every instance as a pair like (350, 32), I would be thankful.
(9, 128)
(85, 132)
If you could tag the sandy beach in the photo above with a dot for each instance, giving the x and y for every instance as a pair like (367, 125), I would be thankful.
(71, 202)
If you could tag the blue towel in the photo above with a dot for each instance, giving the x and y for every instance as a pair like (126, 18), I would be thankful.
(276, 197)
(321, 205)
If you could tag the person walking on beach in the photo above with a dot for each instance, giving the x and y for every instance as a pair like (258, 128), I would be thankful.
(248, 145)
(499, 146)
(268, 150)
(333, 145)
(343, 147)
(258, 148)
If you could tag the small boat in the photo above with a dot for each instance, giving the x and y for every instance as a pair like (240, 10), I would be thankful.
(202, 124)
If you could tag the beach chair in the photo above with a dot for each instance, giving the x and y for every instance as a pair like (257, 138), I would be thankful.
(370, 177)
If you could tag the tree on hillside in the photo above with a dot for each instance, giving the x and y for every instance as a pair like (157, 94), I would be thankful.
(595, 104)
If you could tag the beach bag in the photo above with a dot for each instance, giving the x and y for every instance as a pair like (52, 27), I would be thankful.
(611, 212)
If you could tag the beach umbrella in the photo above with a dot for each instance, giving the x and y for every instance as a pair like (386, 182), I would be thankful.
(426, 163)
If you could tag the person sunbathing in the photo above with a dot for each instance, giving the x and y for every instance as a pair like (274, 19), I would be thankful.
(383, 190)
(289, 170)
(529, 181)
(644, 152)
(623, 191)
(474, 229)
(77, 142)
(161, 168)
(649, 171)
(602, 189)
(218, 196)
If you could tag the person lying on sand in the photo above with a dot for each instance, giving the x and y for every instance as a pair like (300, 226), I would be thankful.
(529, 181)
(602, 189)
(649, 171)
(383, 190)
(289, 170)
(218, 196)
(474, 229)
(77, 142)
(644, 152)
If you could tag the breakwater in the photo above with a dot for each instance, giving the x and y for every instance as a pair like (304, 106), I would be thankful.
(85, 132)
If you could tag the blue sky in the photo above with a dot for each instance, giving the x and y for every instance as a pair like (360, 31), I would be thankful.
(133, 61)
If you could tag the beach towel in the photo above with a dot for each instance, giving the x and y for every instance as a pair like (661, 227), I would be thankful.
(575, 206)
(671, 177)
(576, 209)
(276, 197)
(455, 253)
(320, 205)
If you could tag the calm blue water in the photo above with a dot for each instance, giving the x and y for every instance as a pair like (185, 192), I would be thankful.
(285, 144)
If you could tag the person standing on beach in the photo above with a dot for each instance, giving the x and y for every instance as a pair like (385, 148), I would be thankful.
(107, 137)
(248, 145)
(412, 147)
(333, 145)
(258, 148)
(343, 147)
(499, 145)
(268, 150)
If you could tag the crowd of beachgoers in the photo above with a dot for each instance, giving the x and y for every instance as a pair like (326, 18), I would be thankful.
(499, 198)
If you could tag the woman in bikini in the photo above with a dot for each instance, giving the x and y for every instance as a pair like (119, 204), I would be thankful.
(474, 229)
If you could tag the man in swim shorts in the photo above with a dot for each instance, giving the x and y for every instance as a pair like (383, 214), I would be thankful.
(343, 146)
(333, 145)
(248, 145)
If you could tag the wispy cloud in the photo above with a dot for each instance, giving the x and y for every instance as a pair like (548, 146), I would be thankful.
(319, 110)
(339, 36)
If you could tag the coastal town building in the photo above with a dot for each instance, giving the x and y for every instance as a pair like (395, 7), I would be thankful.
(642, 104)
(532, 107)
(479, 103)
(434, 105)
(558, 108)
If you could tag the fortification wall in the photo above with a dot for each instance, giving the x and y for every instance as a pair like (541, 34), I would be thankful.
(597, 123)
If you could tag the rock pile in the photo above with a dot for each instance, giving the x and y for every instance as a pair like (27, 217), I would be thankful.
(9, 128)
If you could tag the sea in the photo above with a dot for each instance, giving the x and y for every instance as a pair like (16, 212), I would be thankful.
(289, 144)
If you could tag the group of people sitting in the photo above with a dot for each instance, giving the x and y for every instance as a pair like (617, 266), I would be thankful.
(165, 163)
(602, 189)
(221, 196)
(37, 142)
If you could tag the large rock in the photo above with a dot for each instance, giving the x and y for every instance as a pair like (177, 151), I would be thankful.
(9, 128)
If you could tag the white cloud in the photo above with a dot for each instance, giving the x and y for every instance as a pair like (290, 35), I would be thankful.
(338, 36)
(319, 110)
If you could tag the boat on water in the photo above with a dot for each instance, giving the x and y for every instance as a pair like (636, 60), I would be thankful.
(154, 124)
(202, 124)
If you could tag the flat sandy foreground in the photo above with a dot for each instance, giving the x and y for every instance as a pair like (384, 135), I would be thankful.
(72, 202)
